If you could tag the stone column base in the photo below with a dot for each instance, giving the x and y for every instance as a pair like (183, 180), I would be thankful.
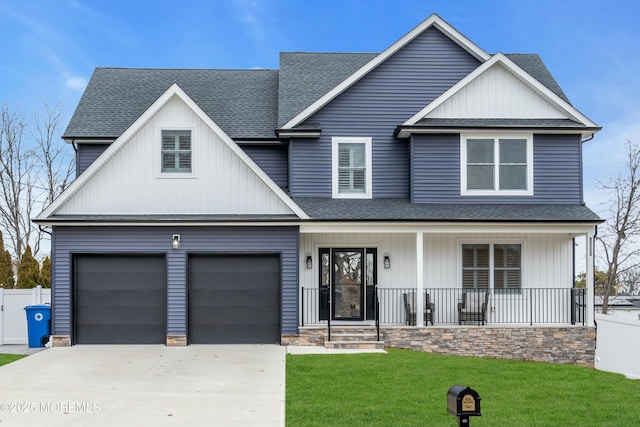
(176, 340)
(61, 341)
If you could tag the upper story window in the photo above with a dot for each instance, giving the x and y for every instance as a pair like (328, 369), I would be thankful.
(351, 167)
(497, 263)
(496, 165)
(176, 151)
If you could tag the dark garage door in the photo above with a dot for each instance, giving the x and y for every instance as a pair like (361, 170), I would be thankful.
(234, 299)
(120, 299)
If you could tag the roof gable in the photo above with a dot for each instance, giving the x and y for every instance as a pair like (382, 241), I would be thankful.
(433, 21)
(499, 88)
(226, 180)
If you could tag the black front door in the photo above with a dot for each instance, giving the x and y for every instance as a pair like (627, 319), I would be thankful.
(349, 277)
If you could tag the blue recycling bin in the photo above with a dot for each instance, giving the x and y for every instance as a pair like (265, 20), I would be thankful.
(38, 324)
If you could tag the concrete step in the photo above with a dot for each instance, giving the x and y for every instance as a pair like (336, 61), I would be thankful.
(359, 345)
(354, 336)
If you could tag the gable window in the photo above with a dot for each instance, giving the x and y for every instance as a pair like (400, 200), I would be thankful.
(499, 264)
(351, 167)
(176, 151)
(496, 165)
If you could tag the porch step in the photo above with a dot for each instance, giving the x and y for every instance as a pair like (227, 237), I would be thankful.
(359, 345)
(355, 338)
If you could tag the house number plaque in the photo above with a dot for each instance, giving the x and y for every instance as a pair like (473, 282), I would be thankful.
(468, 403)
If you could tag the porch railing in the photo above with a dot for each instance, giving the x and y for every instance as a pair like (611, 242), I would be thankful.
(512, 306)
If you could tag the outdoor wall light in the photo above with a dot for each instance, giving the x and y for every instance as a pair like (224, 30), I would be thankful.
(309, 261)
(387, 261)
(176, 241)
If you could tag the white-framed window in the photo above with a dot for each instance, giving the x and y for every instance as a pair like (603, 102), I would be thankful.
(176, 153)
(492, 265)
(351, 167)
(496, 164)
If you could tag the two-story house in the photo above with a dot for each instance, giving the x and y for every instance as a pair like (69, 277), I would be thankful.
(431, 192)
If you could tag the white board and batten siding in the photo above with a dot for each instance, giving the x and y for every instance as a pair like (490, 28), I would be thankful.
(400, 247)
(131, 182)
(547, 258)
(13, 318)
(497, 93)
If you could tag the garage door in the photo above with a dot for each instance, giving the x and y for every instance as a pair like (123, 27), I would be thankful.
(120, 299)
(234, 299)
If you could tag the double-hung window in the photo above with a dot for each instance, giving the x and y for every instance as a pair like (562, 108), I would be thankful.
(498, 264)
(351, 166)
(176, 151)
(496, 165)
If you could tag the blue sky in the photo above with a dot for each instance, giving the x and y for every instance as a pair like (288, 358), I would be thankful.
(49, 48)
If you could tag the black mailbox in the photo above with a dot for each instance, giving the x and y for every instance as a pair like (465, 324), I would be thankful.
(463, 401)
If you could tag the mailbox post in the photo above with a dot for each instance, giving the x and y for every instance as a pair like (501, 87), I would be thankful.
(463, 402)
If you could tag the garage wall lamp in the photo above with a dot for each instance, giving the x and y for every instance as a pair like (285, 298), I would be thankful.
(309, 261)
(176, 241)
(387, 261)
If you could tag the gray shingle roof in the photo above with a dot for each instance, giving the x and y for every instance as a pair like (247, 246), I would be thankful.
(404, 210)
(242, 102)
(305, 77)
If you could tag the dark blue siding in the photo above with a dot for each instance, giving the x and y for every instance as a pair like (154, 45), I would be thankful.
(87, 153)
(397, 89)
(436, 171)
(273, 159)
(70, 240)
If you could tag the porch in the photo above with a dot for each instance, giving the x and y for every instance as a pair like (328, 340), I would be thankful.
(383, 306)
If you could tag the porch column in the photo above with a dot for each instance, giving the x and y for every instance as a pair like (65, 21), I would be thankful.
(590, 256)
(419, 278)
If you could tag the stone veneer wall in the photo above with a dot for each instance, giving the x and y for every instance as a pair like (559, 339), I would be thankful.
(570, 344)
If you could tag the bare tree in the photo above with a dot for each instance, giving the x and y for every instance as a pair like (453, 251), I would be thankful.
(55, 169)
(630, 280)
(620, 233)
(16, 183)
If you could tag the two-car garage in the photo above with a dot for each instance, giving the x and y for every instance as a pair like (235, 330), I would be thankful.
(230, 298)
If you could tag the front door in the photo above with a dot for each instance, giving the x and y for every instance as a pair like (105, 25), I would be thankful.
(349, 276)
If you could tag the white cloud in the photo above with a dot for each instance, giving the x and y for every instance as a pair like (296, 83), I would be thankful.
(75, 83)
(248, 13)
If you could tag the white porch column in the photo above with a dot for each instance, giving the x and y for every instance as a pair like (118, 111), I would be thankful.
(419, 278)
(590, 255)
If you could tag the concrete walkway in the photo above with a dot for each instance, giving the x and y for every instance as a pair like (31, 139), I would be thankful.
(234, 385)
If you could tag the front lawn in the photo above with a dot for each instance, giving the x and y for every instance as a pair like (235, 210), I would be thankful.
(8, 358)
(407, 388)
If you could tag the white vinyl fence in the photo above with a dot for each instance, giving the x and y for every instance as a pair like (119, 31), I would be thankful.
(13, 318)
(618, 343)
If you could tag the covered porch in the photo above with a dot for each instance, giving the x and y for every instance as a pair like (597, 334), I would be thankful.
(444, 274)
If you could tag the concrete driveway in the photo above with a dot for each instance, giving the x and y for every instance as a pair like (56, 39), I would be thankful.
(226, 385)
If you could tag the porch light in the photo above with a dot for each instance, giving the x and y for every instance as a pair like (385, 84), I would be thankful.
(387, 261)
(309, 261)
(176, 241)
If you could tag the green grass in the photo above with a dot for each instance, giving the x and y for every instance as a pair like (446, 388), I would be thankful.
(406, 388)
(8, 358)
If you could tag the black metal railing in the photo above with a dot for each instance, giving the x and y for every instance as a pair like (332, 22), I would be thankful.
(398, 306)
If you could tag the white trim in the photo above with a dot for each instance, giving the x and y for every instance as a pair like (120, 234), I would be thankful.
(432, 21)
(175, 175)
(174, 90)
(585, 133)
(496, 136)
(335, 142)
(525, 77)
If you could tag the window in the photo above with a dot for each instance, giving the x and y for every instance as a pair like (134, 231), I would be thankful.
(176, 151)
(500, 264)
(496, 165)
(351, 167)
